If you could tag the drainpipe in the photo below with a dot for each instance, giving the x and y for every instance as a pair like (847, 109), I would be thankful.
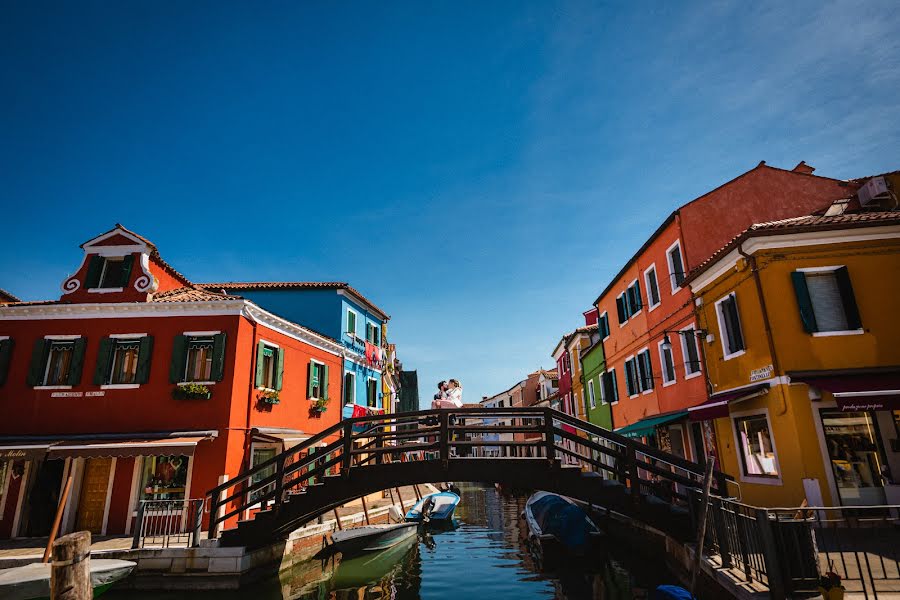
(252, 387)
(751, 260)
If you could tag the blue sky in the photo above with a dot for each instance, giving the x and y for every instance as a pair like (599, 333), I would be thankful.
(480, 170)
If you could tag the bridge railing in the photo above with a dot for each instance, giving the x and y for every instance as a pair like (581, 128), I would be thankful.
(449, 435)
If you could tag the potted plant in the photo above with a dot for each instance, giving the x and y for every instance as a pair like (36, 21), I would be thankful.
(830, 586)
(319, 405)
(191, 391)
(268, 397)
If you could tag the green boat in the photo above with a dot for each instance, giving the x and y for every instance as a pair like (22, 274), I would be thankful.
(32, 581)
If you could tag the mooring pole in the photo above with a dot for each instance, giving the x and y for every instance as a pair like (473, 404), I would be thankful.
(400, 498)
(365, 510)
(416, 490)
(70, 572)
(698, 555)
(337, 519)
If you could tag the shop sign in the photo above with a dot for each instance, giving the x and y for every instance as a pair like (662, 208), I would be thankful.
(77, 394)
(761, 373)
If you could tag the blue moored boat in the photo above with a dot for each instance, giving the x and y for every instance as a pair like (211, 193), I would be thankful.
(434, 507)
(558, 526)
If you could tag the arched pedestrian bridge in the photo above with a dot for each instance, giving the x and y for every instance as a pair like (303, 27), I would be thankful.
(544, 449)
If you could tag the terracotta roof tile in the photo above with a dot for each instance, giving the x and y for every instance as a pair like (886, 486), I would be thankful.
(800, 225)
(249, 286)
(192, 294)
(7, 297)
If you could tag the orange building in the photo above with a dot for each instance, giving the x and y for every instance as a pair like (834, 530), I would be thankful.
(140, 386)
(649, 383)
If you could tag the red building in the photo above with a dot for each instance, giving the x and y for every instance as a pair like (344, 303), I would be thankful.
(651, 341)
(140, 386)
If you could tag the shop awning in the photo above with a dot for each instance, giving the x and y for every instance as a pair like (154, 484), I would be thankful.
(717, 405)
(288, 437)
(857, 390)
(648, 426)
(13, 450)
(174, 445)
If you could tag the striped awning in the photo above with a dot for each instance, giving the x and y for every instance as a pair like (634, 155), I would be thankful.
(168, 446)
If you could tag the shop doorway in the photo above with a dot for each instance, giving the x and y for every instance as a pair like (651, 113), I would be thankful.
(854, 450)
(92, 500)
(43, 498)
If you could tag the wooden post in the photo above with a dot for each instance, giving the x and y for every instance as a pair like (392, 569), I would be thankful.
(139, 525)
(400, 498)
(777, 588)
(348, 448)
(197, 524)
(549, 440)
(634, 475)
(337, 519)
(279, 481)
(444, 439)
(213, 532)
(59, 513)
(416, 490)
(70, 573)
(698, 555)
(365, 510)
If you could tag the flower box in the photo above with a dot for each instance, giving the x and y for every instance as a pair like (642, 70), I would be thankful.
(268, 397)
(191, 391)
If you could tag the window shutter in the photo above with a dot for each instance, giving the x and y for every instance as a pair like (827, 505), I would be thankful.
(177, 368)
(95, 268)
(848, 299)
(104, 354)
(736, 334)
(324, 384)
(38, 362)
(260, 379)
(310, 371)
(217, 373)
(77, 361)
(145, 354)
(628, 377)
(639, 301)
(279, 367)
(6, 347)
(807, 315)
(127, 263)
(648, 367)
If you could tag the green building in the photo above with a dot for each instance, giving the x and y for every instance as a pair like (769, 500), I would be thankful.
(593, 364)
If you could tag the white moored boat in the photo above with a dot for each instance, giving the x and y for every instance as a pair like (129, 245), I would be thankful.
(32, 581)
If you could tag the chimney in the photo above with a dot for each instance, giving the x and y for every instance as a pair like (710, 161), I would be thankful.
(804, 168)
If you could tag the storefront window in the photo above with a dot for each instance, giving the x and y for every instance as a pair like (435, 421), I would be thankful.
(261, 455)
(855, 458)
(164, 477)
(756, 447)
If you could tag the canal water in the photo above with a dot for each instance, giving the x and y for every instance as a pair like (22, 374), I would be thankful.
(485, 556)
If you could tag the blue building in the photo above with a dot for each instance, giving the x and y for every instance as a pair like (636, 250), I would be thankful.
(338, 311)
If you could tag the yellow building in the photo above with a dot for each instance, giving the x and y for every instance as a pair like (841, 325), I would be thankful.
(802, 345)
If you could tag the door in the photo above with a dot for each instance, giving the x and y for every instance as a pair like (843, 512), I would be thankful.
(92, 501)
(855, 454)
(43, 498)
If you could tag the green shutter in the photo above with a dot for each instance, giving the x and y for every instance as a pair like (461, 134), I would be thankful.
(325, 382)
(145, 354)
(177, 367)
(127, 263)
(104, 354)
(217, 373)
(351, 322)
(614, 385)
(807, 315)
(637, 295)
(95, 268)
(279, 367)
(851, 310)
(38, 362)
(77, 361)
(310, 372)
(260, 379)
(6, 347)
(312, 480)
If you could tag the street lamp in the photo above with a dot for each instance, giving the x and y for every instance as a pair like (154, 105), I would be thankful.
(667, 344)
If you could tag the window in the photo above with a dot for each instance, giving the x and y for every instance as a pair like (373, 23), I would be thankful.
(124, 360)
(109, 272)
(199, 359)
(574, 359)
(645, 370)
(676, 266)
(603, 325)
(373, 334)
(652, 287)
(591, 398)
(755, 446)
(59, 363)
(349, 388)
(634, 303)
(730, 325)
(609, 392)
(372, 393)
(258, 457)
(689, 352)
(631, 377)
(826, 300)
(6, 346)
(164, 478)
(318, 380)
(667, 363)
(351, 322)
(621, 311)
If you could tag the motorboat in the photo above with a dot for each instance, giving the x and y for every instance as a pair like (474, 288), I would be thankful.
(32, 581)
(434, 508)
(369, 568)
(370, 538)
(559, 527)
